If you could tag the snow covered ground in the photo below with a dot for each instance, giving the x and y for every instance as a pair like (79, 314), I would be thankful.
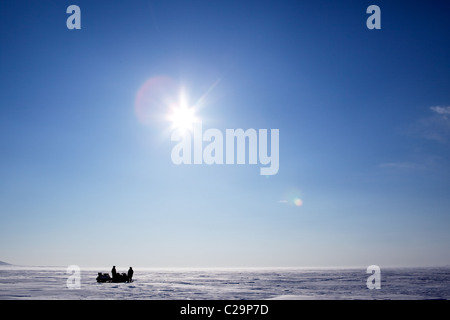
(225, 284)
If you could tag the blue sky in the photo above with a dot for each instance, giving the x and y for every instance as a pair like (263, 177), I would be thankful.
(363, 116)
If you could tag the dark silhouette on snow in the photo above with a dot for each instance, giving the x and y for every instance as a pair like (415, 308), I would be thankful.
(130, 274)
(113, 272)
(116, 277)
(103, 277)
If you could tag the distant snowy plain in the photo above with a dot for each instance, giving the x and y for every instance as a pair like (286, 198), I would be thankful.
(50, 283)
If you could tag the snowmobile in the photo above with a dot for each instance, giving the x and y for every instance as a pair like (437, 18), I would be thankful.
(104, 277)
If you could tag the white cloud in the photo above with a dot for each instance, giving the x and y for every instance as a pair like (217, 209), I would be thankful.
(435, 127)
(441, 110)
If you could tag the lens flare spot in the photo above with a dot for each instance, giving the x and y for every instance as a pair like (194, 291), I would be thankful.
(298, 202)
(292, 197)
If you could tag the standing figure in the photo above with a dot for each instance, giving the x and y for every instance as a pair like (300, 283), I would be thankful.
(130, 274)
(114, 273)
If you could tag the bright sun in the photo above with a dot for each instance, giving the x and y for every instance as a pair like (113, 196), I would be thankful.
(182, 116)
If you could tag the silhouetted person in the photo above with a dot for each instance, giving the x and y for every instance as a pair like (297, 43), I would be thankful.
(114, 272)
(130, 274)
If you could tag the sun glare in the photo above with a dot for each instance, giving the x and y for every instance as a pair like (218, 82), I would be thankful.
(182, 116)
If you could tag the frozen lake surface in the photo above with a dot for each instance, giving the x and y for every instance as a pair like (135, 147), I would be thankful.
(227, 284)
